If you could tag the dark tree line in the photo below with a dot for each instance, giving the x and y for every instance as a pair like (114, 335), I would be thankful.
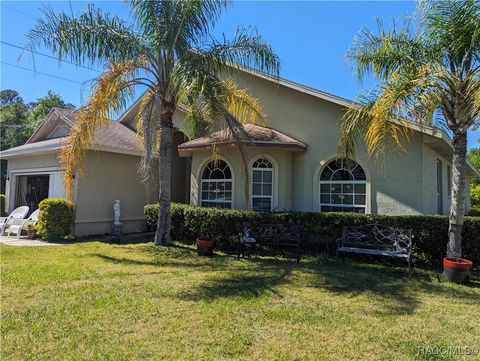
(19, 119)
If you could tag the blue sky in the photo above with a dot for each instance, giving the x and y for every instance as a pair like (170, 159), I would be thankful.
(310, 37)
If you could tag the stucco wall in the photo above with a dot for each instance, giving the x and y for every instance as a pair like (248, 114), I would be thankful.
(430, 199)
(404, 183)
(394, 188)
(109, 176)
(33, 162)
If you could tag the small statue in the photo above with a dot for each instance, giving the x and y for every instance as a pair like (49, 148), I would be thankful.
(116, 210)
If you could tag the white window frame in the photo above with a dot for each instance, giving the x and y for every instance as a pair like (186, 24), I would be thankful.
(365, 206)
(208, 181)
(272, 171)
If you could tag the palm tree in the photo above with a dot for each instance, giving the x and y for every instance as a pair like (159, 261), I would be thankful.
(428, 74)
(170, 51)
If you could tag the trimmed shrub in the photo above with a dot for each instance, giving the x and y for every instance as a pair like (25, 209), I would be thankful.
(318, 229)
(55, 218)
(474, 211)
(2, 204)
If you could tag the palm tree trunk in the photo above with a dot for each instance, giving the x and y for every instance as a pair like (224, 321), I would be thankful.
(457, 209)
(162, 235)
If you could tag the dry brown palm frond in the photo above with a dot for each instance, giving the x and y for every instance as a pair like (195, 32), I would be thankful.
(110, 94)
(241, 105)
(148, 125)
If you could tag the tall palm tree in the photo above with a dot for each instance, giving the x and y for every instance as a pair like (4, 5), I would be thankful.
(170, 51)
(428, 74)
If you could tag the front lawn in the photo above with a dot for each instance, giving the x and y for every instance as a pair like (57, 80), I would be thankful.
(102, 301)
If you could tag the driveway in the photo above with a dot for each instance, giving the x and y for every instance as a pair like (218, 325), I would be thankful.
(24, 241)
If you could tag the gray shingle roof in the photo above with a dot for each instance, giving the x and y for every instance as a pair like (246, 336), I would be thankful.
(115, 136)
(249, 135)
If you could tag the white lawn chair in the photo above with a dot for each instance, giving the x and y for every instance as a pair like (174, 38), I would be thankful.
(17, 225)
(18, 213)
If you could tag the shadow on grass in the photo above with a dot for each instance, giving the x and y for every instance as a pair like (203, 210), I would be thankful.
(174, 255)
(389, 287)
(239, 284)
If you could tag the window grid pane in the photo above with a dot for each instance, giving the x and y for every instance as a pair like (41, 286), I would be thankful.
(262, 185)
(216, 185)
(343, 187)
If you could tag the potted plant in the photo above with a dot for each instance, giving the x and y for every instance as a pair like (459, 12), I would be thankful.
(205, 241)
(457, 269)
(31, 231)
(205, 246)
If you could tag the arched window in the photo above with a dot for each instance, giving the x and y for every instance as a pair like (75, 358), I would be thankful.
(343, 187)
(262, 185)
(217, 185)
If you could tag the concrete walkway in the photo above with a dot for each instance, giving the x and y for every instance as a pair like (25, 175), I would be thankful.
(24, 241)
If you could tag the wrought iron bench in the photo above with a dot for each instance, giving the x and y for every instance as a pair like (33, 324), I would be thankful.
(376, 239)
(269, 234)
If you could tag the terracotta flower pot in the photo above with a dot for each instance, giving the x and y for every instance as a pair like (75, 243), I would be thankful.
(205, 246)
(457, 269)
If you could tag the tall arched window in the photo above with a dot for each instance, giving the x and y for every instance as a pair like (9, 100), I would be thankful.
(216, 185)
(343, 187)
(262, 185)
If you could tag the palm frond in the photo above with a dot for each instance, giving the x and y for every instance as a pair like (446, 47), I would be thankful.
(386, 52)
(453, 28)
(148, 125)
(111, 93)
(239, 136)
(192, 80)
(93, 37)
(174, 25)
(195, 123)
(353, 125)
(241, 105)
(246, 49)
(382, 118)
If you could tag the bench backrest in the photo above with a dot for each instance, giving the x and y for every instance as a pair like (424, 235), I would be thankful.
(272, 232)
(377, 237)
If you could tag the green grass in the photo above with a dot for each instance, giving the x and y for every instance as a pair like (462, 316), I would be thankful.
(103, 301)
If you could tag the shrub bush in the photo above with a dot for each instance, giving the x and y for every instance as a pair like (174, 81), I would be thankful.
(55, 218)
(474, 211)
(475, 194)
(224, 225)
(2, 204)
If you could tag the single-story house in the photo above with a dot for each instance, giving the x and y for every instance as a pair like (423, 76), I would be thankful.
(291, 159)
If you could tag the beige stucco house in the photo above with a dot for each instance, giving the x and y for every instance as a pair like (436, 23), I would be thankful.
(291, 163)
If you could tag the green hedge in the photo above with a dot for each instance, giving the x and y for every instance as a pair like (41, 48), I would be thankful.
(318, 229)
(55, 219)
(474, 211)
(2, 204)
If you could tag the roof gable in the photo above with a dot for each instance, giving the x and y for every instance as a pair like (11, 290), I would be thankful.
(52, 132)
(56, 124)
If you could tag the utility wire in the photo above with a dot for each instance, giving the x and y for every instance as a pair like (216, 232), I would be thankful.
(41, 73)
(47, 56)
(18, 11)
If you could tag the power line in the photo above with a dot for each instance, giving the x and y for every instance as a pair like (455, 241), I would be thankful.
(48, 56)
(18, 11)
(41, 73)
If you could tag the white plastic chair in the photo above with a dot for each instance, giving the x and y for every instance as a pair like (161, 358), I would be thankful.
(17, 225)
(18, 213)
